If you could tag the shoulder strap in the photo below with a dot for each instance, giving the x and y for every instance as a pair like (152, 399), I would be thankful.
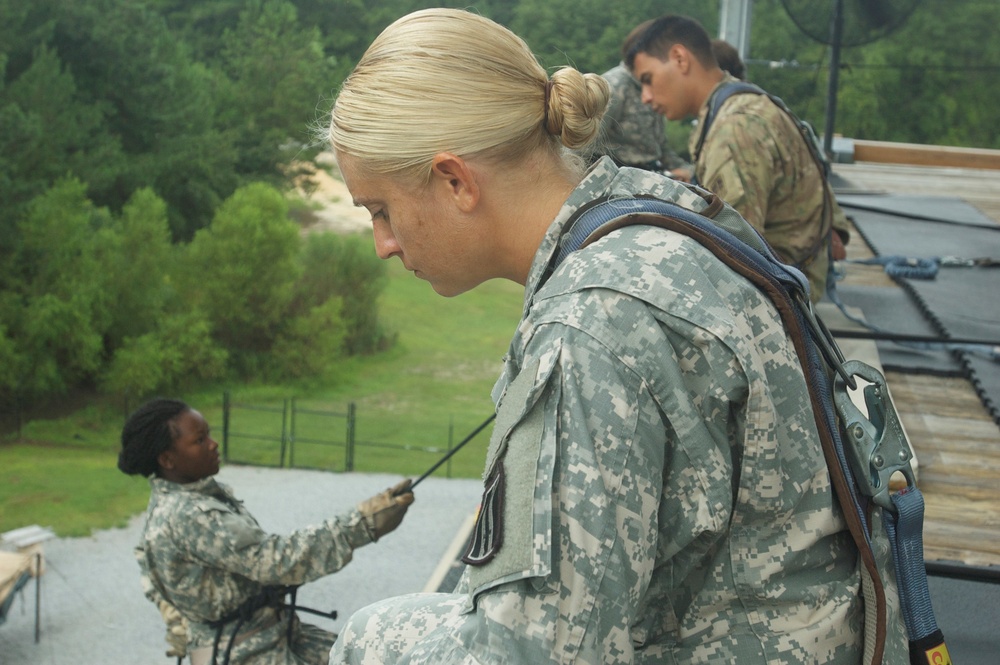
(859, 472)
(715, 102)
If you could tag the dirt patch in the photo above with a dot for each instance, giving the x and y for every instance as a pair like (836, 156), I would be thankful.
(321, 184)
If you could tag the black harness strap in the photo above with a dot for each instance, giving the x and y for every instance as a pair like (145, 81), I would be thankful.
(270, 596)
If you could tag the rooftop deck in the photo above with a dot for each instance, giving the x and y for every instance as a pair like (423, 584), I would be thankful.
(955, 436)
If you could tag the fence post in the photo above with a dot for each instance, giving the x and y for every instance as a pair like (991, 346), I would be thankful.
(284, 432)
(225, 426)
(349, 451)
(291, 438)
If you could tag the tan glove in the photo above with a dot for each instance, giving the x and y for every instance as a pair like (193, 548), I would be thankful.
(177, 630)
(383, 512)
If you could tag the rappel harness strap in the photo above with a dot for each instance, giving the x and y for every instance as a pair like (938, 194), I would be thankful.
(270, 596)
(877, 448)
(727, 90)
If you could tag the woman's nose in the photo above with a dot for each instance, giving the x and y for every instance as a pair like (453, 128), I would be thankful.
(386, 245)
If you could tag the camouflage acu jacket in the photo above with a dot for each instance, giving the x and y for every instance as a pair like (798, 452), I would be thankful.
(204, 553)
(754, 158)
(631, 132)
(665, 496)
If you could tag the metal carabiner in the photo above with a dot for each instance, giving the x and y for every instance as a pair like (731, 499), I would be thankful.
(875, 443)
(956, 262)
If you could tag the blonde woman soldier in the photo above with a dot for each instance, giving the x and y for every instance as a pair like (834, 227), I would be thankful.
(655, 490)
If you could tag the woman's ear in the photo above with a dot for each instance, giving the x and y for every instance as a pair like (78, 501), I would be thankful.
(456, 180)
(165, 459)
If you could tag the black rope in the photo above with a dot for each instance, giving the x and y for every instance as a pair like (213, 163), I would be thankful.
(452, 452)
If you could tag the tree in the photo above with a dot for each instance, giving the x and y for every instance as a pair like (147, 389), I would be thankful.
(312, 344)
(587, 34)
(344, 267)
(278, 76)
(177, 354)
(56, 306)
(241, 271)
(138, 258)
(47, 133)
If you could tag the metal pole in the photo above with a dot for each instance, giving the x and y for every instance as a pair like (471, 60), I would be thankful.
(38, 595)
(451, 439)
(453, 451)
(837, 30)
(349, 452)
(734, 24)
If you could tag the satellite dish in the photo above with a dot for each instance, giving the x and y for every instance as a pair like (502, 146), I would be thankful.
(845, 23)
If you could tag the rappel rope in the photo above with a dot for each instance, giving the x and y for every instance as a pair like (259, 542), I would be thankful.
(913, 268)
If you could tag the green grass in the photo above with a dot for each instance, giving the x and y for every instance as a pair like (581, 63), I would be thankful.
(434, 385)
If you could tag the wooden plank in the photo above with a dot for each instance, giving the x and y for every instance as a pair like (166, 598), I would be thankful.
(979, 188)
(925, 155)
(955, 439)
(972, 545)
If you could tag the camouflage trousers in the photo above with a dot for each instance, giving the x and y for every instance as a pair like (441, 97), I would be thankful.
(416, 628)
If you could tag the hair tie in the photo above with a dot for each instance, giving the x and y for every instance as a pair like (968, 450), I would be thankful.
(548, 94)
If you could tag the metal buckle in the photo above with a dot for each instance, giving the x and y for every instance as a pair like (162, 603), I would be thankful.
(876, 445)
(954, 261)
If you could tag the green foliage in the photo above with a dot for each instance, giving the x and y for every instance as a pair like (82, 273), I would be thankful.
(345, 267)
(137, 262)
(177, 355)
(918, 84)
(32, 154)
(277, 75)
(587, 34)
(55, 306)
(311, 344)
(241, 271)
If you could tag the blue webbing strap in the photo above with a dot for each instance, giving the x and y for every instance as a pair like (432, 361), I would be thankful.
(904, 528)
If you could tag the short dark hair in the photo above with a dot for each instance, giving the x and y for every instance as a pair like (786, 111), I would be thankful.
(729, 58)
(662, 33)
(633, 36)
(147, 433)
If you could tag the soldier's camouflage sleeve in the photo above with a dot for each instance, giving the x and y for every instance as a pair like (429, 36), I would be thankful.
(664, 494)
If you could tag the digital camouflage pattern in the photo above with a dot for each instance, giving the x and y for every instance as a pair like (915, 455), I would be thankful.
(204, 553)
(666, 496)
(755, 159)
(631, 132)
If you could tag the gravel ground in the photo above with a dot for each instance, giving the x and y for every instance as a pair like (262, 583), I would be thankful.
(93, 610)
